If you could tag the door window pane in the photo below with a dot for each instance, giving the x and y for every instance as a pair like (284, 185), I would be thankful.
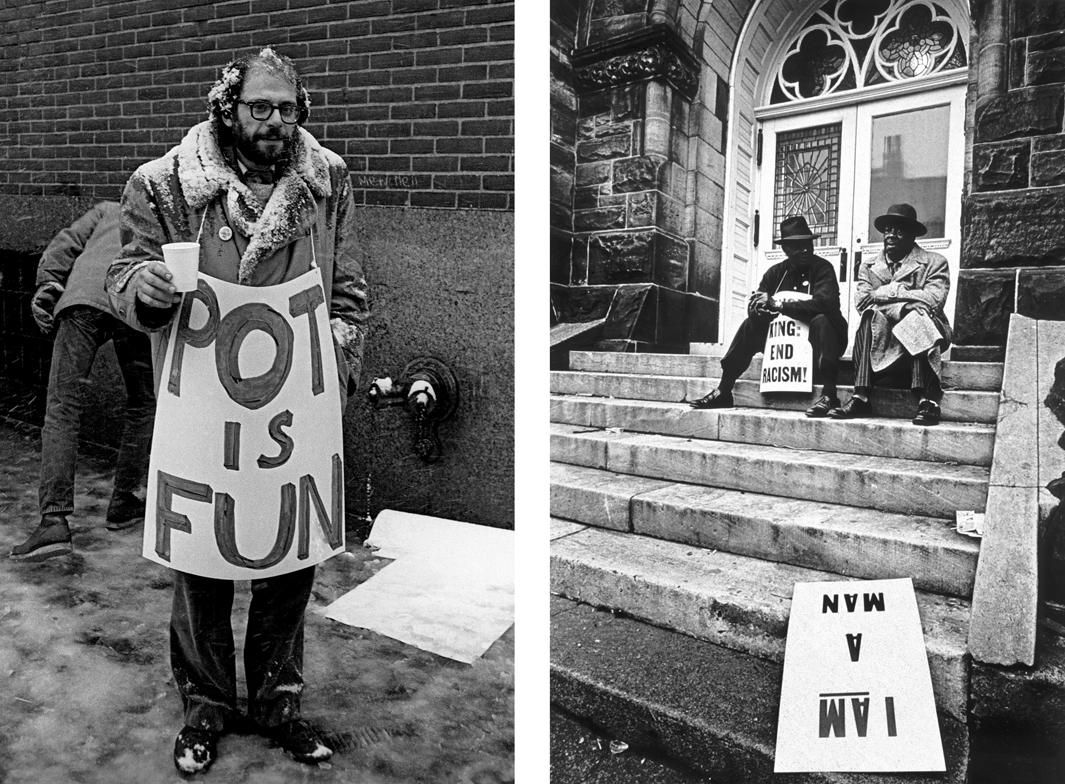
(909, 164)
(806, 180)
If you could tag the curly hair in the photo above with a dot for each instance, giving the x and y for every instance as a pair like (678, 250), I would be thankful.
(223, 96)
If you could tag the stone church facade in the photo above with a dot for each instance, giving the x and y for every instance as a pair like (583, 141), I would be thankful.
(682, 131)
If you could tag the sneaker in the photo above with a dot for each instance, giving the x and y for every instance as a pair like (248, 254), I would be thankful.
(823, 405)
(715, 399)
(927, 413)
(49, 539)
(195, 750)
(302, 741)
(124, 511)
(852, 409)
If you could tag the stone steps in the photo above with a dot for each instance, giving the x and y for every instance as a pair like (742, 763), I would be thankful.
(957, 405)
(957, 442)
(851, 542)
(709, 707)
(734, 601)
(890, 484)
(981, 376)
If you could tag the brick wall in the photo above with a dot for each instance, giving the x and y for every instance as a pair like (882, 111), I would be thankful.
(417, 95)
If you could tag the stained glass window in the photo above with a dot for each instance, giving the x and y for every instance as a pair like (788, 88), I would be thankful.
(848, 44)
(807, 178)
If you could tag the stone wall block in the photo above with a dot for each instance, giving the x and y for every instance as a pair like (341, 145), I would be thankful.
(1001, 166)
(561, 256)
(671, 262)
(670, 213)
(621, 258)
(1048, 143)
(626, 103)
(1018, 229)
(599, 219)
(605, 148)
(641, 209)
(585, 198)
(586, 128)
(984, 304)
(1019, 113)
(562, 155)
(561, 187)
(1034, 17)
(560, 217)
(1048, 168)
(1018, 54)
(579, 262)
(604, 8)
(596, 103)
(592, 174)
(1047, 41)
(1041, 293)
(636, 174)
(1045, 67)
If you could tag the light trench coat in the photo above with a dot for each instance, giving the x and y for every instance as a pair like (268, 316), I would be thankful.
(921, 283)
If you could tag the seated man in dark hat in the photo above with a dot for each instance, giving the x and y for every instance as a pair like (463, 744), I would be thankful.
(903, 282)
(804, 272)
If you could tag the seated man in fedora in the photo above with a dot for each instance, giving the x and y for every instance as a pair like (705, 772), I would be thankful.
(903, 282)
(804, 272)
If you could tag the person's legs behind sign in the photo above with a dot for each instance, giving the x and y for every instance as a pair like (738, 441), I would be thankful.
(133, 351)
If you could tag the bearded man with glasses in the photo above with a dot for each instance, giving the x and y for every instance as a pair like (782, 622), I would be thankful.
(268, 205)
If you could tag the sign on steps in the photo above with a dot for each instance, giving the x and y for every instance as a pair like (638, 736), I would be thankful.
(857, 694)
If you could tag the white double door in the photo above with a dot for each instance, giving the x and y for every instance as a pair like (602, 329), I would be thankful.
(841, 167)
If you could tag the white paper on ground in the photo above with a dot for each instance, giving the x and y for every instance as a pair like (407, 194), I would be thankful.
(970, 523)
(856, 693)
(449, 591)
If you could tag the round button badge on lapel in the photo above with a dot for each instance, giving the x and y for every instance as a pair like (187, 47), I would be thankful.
(225, 234)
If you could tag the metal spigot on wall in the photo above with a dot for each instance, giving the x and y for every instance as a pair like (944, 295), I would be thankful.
(428, 389)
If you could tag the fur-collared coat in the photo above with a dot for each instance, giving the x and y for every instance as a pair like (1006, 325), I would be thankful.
(309, 215)
(921, 282)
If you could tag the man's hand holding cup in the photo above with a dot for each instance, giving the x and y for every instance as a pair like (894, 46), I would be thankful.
(151, 284)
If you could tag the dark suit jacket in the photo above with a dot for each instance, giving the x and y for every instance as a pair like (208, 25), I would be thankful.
(818, 280)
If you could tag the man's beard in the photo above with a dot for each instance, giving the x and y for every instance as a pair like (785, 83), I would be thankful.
(247, 144)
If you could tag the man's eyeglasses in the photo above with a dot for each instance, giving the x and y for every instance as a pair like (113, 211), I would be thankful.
(263, 110)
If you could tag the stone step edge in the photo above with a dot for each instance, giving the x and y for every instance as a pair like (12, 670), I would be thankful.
(956, 555)
(885, 402)
(677, 716)
(714, 431)
(735, 601)
(956, 376)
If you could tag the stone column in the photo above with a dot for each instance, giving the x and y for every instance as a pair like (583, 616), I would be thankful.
(1013, 220)
(631, 253)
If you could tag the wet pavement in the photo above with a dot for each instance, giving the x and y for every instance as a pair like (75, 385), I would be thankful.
(86, 693)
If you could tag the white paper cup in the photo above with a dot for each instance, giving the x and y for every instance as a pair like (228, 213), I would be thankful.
(183, 261)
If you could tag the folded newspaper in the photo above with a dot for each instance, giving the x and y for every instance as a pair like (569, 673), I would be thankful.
(916, 332)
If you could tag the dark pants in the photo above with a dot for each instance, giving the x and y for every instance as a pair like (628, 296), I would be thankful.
(827, 344)
(923, 379)
(203, 656)
(80, 332)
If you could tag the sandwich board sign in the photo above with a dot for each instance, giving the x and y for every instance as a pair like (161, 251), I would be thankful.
(246, 476)
(856, 694)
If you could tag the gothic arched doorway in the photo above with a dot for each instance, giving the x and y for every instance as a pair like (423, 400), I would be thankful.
(857, 105)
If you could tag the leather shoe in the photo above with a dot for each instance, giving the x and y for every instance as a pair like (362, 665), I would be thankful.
(852, 409)
(714, 399)
(927, 413)
(823, 405)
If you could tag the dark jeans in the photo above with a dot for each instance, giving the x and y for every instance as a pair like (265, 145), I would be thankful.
(827, 344)
(203, 656)
(80, 332)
